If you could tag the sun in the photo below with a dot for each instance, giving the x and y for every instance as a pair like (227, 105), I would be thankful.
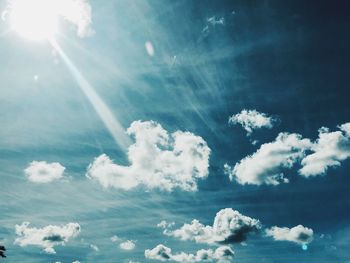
(34, 19)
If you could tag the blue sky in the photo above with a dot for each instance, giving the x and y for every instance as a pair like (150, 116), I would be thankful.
(138, 112)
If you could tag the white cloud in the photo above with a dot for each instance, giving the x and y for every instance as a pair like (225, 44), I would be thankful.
(298, 234)
(345, 128)
(265, 166)
(328, 151)
(76, 261)
(251, 120)
(47, 237)
(165, 225)
(77, 12)
(162, 253)
(94, 247)
(158, 160)
(43, 172)
(149, 48)
(127, 245)
(115, 238)
(229, 226)
(216, 20)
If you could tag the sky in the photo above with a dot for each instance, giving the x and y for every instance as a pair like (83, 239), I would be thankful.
(174, 131)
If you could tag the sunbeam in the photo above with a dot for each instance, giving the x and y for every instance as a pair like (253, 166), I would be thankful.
(103, 111)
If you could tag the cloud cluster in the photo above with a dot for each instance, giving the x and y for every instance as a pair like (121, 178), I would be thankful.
(229, 227)
(162, 253)
(158, 160)
(298, 234)
(251, 120)
(47, 237)
(265, 166)
(328, 151)
(43, 172)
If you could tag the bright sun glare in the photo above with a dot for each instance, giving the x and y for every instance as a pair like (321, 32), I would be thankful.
(34, 19)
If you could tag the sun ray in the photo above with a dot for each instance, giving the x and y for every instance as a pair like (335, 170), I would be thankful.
(103, 111)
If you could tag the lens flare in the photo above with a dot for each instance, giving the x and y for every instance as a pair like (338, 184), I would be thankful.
(34, 20)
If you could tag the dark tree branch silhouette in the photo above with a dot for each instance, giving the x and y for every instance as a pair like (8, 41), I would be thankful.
(2, 252)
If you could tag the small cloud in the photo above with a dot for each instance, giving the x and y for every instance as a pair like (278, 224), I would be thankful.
(229, 227)
(149, 48)
(115, 238)
(216, 20)
(211, 23)
(47, 237)
(165, 225)
(94, 247)
(252, 120)
(298, 234)
(127, 245)
(162, 253)
(43, 172)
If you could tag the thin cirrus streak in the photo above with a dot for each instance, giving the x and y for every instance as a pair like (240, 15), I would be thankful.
(112, 124)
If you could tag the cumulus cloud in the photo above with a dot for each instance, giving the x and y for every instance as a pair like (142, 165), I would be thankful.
(158, 160)
(229, 226)
(162, 253)
(251, 120)
(298, 234)
(266, 165)
(328, 151)
(47, 237)
(43, 172)
(127, 245)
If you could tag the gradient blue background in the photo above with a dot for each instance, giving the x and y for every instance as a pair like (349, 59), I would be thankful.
(285, 58)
